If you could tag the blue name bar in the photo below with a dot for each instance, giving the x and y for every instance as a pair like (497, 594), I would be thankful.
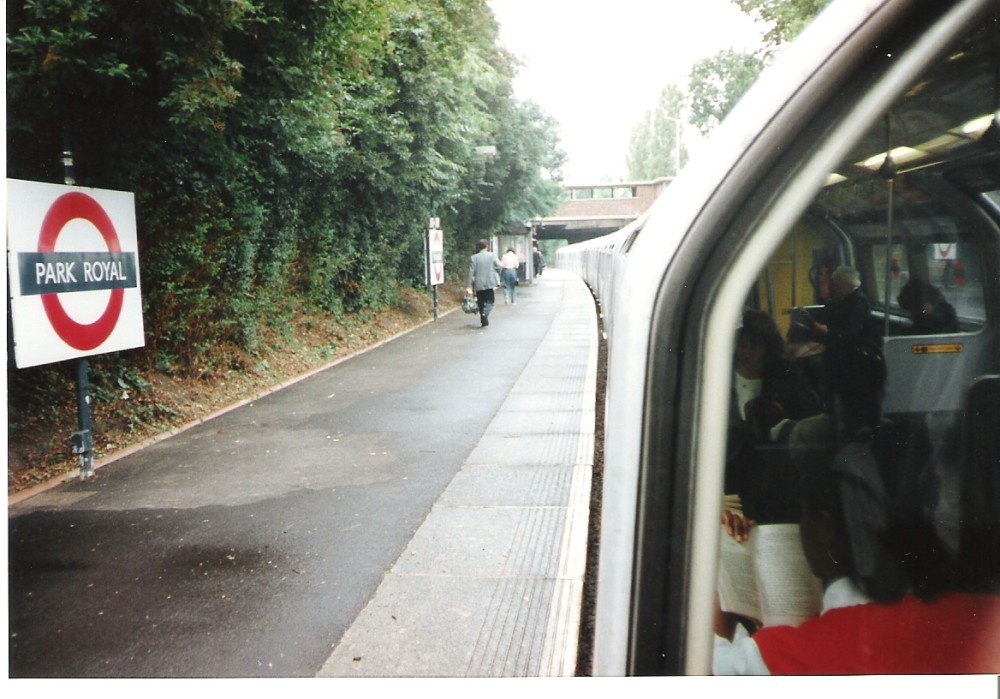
(64, 272)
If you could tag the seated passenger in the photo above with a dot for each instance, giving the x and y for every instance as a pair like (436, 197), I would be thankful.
(847, 329)
(806, 354)
(767, 388)
(853, 381)
(930, 313)
(870, 622)
(768, 393)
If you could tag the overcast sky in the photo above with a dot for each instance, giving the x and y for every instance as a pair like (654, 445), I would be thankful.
(597, 66)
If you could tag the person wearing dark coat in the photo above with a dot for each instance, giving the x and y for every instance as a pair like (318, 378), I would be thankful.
(846, 316)
(539, 261)
(930, 313)
(768, 393)
(844, 327)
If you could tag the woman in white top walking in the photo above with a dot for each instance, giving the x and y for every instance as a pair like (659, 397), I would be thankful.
(509, 264)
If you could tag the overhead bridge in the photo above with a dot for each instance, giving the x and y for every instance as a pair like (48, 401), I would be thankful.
(592, 210)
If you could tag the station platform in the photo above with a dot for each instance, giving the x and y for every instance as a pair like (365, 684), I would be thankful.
(491, 584)
(488, 585)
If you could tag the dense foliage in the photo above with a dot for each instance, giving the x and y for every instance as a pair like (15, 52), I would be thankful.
(785, 18)
(714, 86)
(717, 83)
(281, 152)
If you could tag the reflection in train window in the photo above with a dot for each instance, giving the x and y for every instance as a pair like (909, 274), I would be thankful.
(942, 293)
(955, 269)
(895, 268)
(845, 456)
(861, 364)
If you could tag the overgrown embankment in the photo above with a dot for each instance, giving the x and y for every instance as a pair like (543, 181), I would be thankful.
(285, 160)
(136, 405)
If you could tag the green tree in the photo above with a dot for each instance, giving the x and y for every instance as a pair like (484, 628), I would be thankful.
(517, 184)
(786, 18)
(656, 147)
(282, 153)
(717, 83)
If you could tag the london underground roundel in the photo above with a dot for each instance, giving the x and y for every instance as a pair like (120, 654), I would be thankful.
(74, 272)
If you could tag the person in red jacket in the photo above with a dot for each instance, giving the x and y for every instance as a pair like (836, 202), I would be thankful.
(872, 620)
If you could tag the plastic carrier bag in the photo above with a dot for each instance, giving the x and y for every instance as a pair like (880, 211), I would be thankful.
(469, 304)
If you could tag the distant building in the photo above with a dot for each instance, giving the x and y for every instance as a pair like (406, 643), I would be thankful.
(593, 210)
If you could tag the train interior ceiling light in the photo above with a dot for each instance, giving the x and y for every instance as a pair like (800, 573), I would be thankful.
(905, 157)
(938, 116)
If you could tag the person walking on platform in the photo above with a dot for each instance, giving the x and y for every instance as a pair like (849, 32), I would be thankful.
(509, 264)
(539, 261)
(484, 277)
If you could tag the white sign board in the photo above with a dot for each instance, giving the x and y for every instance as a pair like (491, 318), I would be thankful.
(945, 251)
(73, 266)
(435, 257)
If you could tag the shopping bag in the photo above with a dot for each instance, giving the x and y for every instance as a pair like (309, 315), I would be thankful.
(469, 304)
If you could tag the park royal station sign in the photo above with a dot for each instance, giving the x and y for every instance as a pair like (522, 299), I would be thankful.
(73, 265)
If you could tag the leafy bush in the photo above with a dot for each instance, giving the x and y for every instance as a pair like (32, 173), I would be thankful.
(277, 149)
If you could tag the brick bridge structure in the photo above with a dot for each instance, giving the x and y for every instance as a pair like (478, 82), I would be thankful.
(594, 210)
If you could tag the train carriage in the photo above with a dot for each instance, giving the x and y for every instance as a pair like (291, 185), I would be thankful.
(873, 145)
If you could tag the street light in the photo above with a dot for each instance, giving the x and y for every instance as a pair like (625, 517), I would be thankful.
(677, 144)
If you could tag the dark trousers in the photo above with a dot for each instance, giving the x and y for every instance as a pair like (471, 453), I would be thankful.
(485, 300)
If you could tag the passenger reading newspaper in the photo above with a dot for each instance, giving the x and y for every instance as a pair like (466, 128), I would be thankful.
(849, 575)
(871, 619)
(766, 579)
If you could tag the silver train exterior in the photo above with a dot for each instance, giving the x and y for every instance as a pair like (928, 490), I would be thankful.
(672, 285)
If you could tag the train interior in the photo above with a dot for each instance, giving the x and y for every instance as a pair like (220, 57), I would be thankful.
(913, 378)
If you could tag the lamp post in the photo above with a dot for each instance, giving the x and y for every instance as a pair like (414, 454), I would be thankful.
(677, 144)
(484, 154)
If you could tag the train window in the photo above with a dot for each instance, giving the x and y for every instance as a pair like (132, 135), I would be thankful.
(943, 293)
(763, 367)
(847, 483)
(890, 271)
(955, 269)
(811, 435)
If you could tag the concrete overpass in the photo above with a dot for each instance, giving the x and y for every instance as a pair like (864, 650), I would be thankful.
(593, 210)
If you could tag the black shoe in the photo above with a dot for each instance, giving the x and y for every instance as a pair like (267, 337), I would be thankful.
(486, 321)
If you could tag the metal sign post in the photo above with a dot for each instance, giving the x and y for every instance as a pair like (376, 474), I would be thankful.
(81, 441)
(434, 245)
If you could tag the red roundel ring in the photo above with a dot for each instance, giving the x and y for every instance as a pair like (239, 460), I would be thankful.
(66, 208)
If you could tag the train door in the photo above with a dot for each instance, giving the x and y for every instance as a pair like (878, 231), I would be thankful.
(771, 232)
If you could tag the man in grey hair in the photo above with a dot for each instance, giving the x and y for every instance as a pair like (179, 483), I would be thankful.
(846, 315)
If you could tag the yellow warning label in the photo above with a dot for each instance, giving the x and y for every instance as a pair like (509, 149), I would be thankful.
(937, 349)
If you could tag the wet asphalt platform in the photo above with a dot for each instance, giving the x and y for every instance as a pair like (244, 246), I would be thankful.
(418, 510)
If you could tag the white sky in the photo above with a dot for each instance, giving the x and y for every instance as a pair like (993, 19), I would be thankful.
(597, 66)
